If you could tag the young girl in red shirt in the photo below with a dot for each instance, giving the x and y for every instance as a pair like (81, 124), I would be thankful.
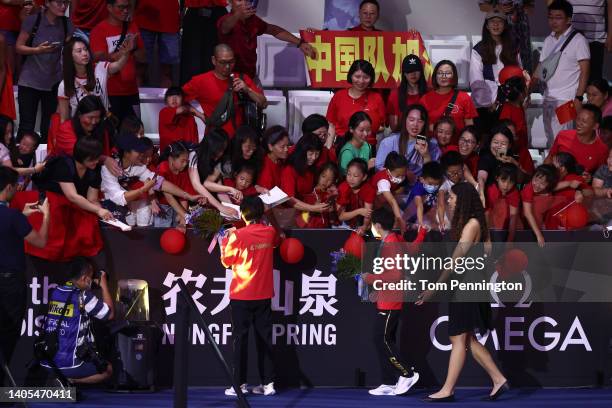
(325, 192)
(503, 200)
(176, 120)
(387, 182)
(356, 197)
(538, 200)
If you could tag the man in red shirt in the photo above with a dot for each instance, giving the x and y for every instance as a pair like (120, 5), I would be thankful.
(249, 252)
(240, 30)
(588, 149)
(199, 36)
(86, 14)
(209, 88)
(158, 21)
(106, 39)
(369, 10)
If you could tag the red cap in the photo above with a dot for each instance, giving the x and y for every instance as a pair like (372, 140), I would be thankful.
(508, 72)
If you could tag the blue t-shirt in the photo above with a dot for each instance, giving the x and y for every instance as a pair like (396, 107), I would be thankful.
(429, 199)
(14, 227)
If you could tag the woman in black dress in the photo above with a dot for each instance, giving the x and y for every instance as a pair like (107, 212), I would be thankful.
(469, 228)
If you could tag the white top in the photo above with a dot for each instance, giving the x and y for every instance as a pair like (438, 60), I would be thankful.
(484, 92)
(112, 189)
(563, 84)
(590, 18)
(447, 185)
(101, 74)
(4, 154)
(383, 186)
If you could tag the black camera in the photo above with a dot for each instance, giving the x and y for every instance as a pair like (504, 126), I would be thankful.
(87, 352)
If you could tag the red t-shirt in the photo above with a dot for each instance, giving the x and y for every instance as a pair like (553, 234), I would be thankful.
(569, 193)
(243, 40)
(393, 107)
(174, 127)
(472, 163)
(180, 180)
(436, 105)
(589, 156)
(205, 3)
(103, 39)
(499, 205)
(9, 17)
(541, 203)
(525, 160)
(270, 174)
(296, 184)
(360, 28)
(161, 16)
(326, 156)
(7, 98)
(87, 14)
(383, 175)
(306, 219)
(448, 148)
(249, 252)
(66, 138)
(208, 90)
(388, 300)
(351, 200)
(342, 106)
(247, 192)
(517, 115)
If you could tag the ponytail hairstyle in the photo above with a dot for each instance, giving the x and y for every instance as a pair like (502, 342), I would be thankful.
(174, 150)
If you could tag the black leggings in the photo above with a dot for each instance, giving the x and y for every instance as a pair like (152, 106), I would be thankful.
(384, 335)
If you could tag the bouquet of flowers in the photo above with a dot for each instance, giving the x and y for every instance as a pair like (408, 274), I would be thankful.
(345, 265)
(206, 222)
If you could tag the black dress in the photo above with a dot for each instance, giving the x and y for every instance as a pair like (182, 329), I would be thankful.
(467, 317)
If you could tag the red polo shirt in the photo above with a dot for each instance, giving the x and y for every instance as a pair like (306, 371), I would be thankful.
(173, 127)
(161, 16)
(270, 174)
(590, 156)
(388, 299)
(208, 90)
(351, 200)
(342, 107)
(104, 38)
(296, 184)
(249, 252)
(243, 40)
(87, 14)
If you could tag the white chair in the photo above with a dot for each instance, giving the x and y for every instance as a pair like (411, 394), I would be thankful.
(457, 51)
(276, 112)
(301, 105)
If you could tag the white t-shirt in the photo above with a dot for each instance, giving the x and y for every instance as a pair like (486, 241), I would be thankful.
(383, 186)
(4, 154)
(564, 83)
(484, 91)
(101, 74)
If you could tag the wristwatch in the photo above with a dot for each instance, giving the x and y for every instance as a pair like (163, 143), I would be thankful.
(580, 98)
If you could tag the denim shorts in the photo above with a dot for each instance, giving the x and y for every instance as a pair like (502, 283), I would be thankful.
(168, 44)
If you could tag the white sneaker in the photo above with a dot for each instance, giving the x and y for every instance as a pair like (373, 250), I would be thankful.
(266, 390)
(383, 390)
(405, 383)
(231, 393)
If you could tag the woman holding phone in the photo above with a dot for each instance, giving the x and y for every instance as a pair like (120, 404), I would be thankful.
(411, 142)
(40, 42)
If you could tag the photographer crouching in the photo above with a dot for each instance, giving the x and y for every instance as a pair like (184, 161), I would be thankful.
(72, 307)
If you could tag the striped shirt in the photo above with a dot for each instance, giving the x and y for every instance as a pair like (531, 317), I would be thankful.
(590, 18)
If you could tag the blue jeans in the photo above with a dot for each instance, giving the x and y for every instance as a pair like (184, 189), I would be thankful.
(167, 43)
(166, 219)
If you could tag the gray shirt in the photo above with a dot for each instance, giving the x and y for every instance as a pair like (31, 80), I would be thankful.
(604, 173)
(43, 71)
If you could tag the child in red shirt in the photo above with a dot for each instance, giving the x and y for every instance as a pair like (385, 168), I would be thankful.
(356, 197)
(325, 192)
(524, 159)
(503, 200)
(537, 198)
(173, 167)
(243, 182)
(176, 120)
(515, 93)
(444, 131)
(389, 305)
(387, 182)
(249, 252)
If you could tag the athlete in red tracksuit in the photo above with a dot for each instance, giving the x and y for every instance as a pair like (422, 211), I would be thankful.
(249, 252)
(389, 305)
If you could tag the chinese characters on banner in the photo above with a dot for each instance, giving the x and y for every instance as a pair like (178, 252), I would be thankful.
(336, 51)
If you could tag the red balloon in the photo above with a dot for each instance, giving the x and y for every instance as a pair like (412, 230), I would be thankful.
(508, 72)
(575, 217)
(172, 241)
(291, 250)
(354, 245)
(513, 262)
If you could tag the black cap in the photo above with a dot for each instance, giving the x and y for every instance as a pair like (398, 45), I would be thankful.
(128, 141)
(411, 63)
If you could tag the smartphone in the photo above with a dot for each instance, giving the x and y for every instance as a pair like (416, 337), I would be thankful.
(56, 43)
(421, 138)
(502, 152)
(42, 196)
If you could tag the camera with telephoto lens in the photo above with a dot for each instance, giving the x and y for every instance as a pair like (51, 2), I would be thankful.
(86, 352)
